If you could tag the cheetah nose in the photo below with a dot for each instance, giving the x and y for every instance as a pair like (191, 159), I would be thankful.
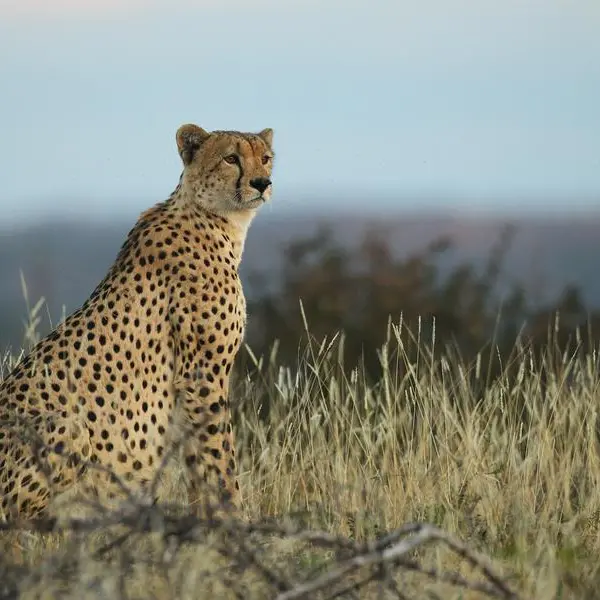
(260, 183)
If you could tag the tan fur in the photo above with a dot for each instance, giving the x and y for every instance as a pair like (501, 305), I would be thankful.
(150, 352)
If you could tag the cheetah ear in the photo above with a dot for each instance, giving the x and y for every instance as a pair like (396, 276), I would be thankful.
(267, 136)
(189, 138)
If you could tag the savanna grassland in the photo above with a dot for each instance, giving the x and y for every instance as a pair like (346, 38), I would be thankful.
(506, 471)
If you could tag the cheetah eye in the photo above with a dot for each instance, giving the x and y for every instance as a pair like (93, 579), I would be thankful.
(265, 159)
(232, 159)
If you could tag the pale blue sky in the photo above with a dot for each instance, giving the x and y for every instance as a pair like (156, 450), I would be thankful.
(469, 99)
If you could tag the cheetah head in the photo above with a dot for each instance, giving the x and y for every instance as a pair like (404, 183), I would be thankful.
(226, 171)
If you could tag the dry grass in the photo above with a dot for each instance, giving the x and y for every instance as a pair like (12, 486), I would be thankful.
(511, 468)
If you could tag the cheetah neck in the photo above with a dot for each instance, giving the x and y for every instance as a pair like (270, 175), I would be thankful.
(238, 224)
(234, 225)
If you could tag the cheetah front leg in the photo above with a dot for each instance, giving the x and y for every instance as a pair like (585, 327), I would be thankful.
(208, 445)
(201, 390)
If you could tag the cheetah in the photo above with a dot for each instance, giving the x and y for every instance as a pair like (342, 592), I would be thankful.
(151, 347)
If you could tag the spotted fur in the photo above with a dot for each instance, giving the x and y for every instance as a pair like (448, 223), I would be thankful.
(152, 348)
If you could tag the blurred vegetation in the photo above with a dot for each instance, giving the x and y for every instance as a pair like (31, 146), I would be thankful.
(326, 287)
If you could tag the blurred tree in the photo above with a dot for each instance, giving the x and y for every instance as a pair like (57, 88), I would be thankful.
(357, 291)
